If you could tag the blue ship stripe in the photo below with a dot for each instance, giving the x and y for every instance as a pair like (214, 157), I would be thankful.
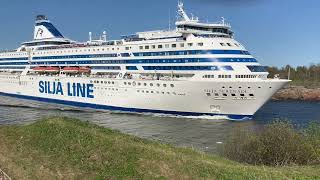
(115, 108)
(135, 61)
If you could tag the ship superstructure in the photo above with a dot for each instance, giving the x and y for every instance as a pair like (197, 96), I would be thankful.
(196, 69)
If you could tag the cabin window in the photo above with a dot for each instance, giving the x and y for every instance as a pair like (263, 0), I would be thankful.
(200, 44)
(229, 44)
(182, 45)
(222, 44)
(153, 46)
(167, 45)
(174, 45)
(146, 47)
(140, 47)
(190, 44)
(160, 46)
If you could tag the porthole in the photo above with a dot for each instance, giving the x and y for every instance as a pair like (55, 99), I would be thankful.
(139, 84)
(225, 95)
(251, 95)
(233, 95)
(145, 84)
(164, 85)
(151, 84)
(242, 95)
(158, 85)
(172, 85)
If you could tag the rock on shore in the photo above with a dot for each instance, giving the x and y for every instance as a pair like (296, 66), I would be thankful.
(298, 93)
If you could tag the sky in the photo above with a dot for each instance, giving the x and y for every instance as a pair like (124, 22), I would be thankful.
(276, 32)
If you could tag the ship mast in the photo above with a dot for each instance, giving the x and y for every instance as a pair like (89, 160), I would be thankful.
(183, 15)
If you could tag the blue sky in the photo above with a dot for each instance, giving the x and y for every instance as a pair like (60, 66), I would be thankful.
(275, 32)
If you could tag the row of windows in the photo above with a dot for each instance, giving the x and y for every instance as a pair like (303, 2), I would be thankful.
(225, 94)
(131, 68)
(190, 68)
(102, 82)
(257, 68)
(229, 76)
(155, 92)
(106, 68)
(224, 76)
(208, 76)
(11, 67)
(147, 84)
(246, 76)
(160, 46)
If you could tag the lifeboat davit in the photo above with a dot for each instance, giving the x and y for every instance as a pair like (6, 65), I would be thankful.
(71, 69)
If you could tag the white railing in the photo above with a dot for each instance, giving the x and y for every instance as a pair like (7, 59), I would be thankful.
(4, 176)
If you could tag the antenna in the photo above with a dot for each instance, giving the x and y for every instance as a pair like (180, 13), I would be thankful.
(222, 20)
(90, 36)
(104, 36)
(169, 20)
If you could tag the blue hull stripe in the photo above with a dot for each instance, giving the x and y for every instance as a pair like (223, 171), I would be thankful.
(114, 108)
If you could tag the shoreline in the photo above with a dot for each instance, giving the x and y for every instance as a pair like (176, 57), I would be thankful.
(67, 148)
(297, 93)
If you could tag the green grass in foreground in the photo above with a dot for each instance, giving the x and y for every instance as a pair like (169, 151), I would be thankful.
(70, 149)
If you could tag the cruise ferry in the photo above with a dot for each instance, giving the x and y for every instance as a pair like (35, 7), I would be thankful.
(197, 69)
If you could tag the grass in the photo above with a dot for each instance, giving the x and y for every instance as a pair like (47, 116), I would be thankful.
(63, 148)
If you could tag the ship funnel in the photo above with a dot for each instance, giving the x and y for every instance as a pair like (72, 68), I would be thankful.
(44, 29)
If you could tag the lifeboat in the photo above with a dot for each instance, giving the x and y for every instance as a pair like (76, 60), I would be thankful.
(84, 69)
(71, 69)
(39, 69)
(52, 69)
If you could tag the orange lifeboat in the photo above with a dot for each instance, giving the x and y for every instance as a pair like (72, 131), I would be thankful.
(39, 69)
(52, 69)
(71, 69)
(84, 69)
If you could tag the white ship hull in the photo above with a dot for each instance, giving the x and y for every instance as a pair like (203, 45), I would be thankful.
(188, 98)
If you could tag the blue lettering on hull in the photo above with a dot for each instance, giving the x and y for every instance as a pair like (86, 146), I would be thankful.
(73, 89)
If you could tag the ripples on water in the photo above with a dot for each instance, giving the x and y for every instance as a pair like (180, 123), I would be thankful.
(202, 133)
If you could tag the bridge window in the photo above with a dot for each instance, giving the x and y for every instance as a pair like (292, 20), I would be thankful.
(257, 68)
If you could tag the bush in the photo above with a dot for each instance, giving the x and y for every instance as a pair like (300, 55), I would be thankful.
(277, 144)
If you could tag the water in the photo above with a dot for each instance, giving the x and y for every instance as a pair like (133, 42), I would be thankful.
(205, 133)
